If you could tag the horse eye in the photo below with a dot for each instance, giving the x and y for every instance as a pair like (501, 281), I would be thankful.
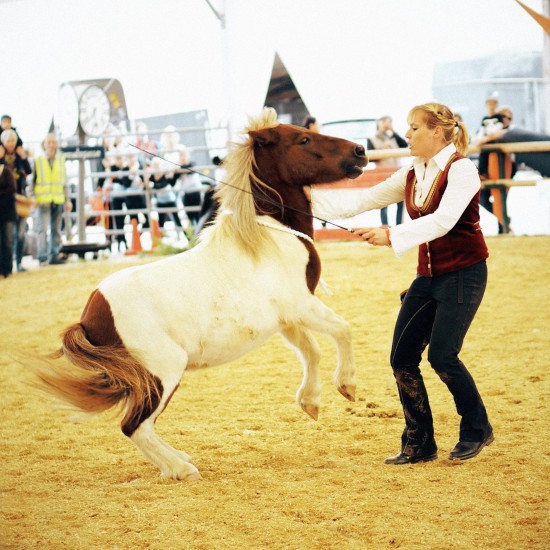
(304, 141)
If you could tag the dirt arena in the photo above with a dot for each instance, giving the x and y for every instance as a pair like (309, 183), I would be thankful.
(272, 477)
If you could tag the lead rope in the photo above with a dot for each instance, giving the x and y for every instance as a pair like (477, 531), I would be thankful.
(309, 214)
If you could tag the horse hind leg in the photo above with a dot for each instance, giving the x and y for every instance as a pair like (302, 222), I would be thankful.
(140, 428)
(308, 395)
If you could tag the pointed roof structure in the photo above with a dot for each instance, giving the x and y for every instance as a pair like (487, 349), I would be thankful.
(283, 95)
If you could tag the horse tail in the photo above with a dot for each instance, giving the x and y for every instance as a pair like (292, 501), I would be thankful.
(101, 378)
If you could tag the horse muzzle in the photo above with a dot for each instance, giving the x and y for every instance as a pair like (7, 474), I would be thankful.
(354, 167)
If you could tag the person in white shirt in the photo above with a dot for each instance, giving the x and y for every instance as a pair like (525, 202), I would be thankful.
(441, 192)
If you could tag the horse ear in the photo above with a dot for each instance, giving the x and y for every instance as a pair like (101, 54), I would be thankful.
(267, 136)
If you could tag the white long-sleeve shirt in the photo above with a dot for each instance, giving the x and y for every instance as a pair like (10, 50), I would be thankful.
(463, 184)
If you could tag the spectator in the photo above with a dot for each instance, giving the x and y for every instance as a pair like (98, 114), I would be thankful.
(189, 183)
(170, 144)
(5, 124)
(124, 178)
(387, 138)
(490, 129)
(507, 116)
(8, 188)
(498, 125)
(311, 123)
(160, 178)
(15, 158)
(50, 180)
(490, 123)
(144, 142)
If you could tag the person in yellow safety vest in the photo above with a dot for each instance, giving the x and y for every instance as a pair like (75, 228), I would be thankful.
(49, 193)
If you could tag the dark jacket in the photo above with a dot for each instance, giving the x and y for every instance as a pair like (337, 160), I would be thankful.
(20, 167)
(7, 195)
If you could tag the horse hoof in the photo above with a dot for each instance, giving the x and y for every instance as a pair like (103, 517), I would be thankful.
(194, 476)
(184, 472)
(348, 392)
(185, 457)
(311, 410)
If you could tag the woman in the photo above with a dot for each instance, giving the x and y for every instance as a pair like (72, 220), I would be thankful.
(441, 193)
(14, 157)
(8, 187)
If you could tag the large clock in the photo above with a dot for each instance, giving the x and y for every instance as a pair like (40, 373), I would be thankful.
(66, 111)
(94, 110)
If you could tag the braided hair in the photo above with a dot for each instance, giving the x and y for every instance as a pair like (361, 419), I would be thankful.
(437, 115)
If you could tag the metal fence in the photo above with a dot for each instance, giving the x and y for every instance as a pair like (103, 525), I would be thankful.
(99, 203)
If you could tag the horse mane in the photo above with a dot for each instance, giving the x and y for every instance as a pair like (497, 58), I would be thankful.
(237, 218)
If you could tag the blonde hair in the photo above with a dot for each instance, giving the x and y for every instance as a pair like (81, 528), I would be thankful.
(236, 196)
(437, 115)
(505, 110)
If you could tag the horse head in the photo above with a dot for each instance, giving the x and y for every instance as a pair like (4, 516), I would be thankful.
(288, 157)
(266, 174)
(293, 156)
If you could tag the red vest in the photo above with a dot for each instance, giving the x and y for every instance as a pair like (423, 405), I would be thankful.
(463, 245)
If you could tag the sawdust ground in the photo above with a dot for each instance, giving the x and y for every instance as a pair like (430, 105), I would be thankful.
(273, 478)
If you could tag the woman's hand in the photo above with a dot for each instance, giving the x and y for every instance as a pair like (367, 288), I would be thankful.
(377, 236)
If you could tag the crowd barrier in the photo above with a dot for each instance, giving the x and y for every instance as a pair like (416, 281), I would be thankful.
(97, 203)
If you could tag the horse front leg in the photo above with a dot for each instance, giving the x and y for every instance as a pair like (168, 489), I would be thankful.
(321, 318)
(308, 395)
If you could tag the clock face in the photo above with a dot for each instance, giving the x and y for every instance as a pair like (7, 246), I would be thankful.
(66, 111)
(95, 110)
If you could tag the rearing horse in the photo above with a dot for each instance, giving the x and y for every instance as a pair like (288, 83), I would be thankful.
(253, 274)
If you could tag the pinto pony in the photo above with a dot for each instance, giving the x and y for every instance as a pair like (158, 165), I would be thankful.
(253, 274)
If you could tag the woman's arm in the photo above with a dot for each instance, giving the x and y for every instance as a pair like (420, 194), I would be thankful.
(346, 203)
(463, 184)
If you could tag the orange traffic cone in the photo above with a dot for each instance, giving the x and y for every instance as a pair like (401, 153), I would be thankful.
(156, 235)
(136, 241)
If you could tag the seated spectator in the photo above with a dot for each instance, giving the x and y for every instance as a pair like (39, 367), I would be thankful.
(506, 132)
(190, 185)
(143, 141)
(125, 177)
(161, 179)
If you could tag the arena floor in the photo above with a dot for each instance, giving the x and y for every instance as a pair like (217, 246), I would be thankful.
(272, 477)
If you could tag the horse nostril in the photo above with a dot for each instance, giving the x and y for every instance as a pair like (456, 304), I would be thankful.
(359, 151)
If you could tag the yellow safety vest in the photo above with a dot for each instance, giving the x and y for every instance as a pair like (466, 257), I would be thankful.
(49, 186)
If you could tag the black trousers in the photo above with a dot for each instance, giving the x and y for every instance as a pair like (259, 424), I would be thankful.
(437, 311)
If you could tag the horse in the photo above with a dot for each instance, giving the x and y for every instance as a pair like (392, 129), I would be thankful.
(252, 274)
